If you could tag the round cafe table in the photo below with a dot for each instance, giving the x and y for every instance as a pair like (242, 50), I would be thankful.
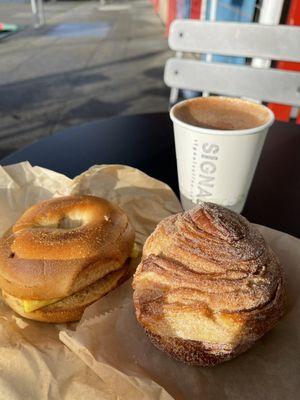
(146, 142)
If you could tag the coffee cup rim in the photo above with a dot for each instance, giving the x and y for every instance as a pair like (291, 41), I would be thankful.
(235, 132)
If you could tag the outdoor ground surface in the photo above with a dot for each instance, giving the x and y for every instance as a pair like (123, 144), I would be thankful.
(88, 62)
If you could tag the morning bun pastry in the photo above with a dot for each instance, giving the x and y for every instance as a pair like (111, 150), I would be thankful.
(62, 255)
(208, 286)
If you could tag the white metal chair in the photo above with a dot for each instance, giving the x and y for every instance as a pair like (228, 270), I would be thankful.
(274, 42)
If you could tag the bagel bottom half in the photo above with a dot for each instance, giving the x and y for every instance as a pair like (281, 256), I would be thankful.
(72, 307)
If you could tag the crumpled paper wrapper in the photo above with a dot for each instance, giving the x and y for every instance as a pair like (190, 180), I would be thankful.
(109, 341)
(34, 363)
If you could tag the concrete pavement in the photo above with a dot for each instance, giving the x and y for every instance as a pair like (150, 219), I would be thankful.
(88, 62)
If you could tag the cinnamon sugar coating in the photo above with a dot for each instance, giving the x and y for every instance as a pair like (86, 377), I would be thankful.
(208, 285)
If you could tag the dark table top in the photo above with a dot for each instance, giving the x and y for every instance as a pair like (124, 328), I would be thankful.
(146, 142)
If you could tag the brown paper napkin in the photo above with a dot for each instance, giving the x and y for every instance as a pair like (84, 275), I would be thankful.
(34, 363)
(111, 342)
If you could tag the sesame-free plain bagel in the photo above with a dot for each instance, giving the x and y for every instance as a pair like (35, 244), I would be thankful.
(61, 246)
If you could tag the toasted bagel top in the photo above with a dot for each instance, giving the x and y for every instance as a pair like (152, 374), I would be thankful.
(54, 242)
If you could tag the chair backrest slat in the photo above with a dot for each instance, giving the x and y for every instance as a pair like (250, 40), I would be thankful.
(276, 42)
(259, 83)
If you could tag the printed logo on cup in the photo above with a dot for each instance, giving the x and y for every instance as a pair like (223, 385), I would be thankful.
(204, 167)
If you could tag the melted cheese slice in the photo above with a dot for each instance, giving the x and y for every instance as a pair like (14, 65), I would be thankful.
(32, 305)
(135, 251)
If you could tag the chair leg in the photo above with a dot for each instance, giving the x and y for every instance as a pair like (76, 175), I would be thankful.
(38, 13)
(173, 95)
(41, 12)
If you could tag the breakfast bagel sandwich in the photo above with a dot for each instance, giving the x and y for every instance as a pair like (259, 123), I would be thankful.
(62, 255)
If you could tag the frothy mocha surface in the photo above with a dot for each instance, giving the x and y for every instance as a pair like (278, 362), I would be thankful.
(221, 113)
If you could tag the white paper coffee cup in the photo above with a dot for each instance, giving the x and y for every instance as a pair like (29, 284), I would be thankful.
(217, 165)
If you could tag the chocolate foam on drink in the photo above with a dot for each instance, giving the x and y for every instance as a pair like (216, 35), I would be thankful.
(221, 113)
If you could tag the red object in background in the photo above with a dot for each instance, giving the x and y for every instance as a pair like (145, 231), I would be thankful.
(195, 9)
(172, 14)
(283, 112)
(155, 5)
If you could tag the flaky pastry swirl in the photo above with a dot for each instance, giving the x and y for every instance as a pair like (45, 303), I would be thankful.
(208, 285)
